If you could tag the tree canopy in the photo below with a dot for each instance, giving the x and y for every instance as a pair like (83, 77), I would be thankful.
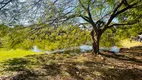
(100, 17)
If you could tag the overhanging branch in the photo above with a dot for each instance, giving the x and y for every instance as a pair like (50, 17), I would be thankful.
(113, 13)
(116, 13)
(128, 23)
(120, 24)
(4, 4)
(89, 17)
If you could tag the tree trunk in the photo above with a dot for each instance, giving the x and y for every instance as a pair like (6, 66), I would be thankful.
(98, 44)
(95, 43)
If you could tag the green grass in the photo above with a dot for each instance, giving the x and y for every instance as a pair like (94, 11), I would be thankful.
(127, 44)
(18, 53)
(73, 67)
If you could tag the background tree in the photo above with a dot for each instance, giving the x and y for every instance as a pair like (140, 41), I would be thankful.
(102, 15)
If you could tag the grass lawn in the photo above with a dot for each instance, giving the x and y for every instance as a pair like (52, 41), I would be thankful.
(127, 44)
(18, 53)
(27, 65)
(124, 66)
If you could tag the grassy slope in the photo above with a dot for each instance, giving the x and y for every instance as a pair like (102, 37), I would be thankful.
(10, 54)
(20, 64)
(126, 66)
(128, 44)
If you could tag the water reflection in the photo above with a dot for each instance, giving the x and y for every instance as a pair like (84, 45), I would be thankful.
(114, 49)
(35, 49)
(83, 48)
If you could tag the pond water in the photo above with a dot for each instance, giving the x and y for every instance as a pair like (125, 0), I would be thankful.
(115, 49)
(83, 48)
(35, 49)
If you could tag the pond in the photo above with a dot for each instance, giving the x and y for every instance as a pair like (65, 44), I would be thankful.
(35, 49)
(82, 48)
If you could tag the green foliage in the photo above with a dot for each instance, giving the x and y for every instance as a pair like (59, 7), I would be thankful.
(47, 38)
(18, 53)
(4, 30)
(78, 67)
(52, 38)
(131, 16)
(110, 38)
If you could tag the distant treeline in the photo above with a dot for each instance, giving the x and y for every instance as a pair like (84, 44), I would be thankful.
(64, 36)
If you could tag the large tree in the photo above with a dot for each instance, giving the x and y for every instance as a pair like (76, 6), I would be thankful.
(105, 14)
(101, 15)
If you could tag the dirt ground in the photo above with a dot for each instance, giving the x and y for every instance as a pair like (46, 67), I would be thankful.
(126, 65)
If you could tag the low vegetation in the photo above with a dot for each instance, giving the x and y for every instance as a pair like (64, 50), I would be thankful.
(127, 44)
(59, 27)
(124, 66)
(18, 53)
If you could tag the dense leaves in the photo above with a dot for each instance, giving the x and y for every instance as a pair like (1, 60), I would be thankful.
(48, 38)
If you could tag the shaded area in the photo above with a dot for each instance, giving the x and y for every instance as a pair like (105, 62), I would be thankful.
(78, 67)
(123, 57)
(16, 64)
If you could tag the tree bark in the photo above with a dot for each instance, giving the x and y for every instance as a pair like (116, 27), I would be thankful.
(95, 42)
(98, 44)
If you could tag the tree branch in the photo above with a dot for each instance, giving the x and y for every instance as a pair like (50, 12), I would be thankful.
(5, 4)
(116, 13)
(128, 23)
(86, 18)
(82, 5)
(120, 24)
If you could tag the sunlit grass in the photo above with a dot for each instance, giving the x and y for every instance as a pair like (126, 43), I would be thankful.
(18, 53)
(128, 44)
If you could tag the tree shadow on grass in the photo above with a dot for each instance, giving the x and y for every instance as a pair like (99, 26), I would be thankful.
(135, 51)
(102, 71)
(134, 54)
(123, 57)
(16, 64)
(90, 70)
(21, 66)
(45, 73)
(122, 74)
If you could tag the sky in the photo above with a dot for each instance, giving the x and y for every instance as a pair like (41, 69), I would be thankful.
(25, 20)
(22, 0)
